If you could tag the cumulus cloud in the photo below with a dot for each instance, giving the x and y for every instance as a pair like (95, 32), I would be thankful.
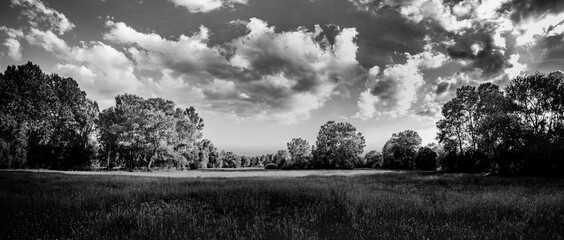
(99, 68)
(265, 75)
(188, 55)
(295, 72)
(196, 6)
(39, 16)
(12, 43)
(481, 34)
(14, 49)
(393, 92)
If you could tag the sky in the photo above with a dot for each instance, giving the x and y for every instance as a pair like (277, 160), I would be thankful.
(261, 72)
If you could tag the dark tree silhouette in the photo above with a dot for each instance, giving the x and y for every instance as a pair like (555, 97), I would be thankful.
(45, 120)
(400, 150)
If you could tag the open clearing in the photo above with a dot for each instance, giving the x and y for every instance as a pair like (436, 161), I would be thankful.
(223, 173)
(371, 205)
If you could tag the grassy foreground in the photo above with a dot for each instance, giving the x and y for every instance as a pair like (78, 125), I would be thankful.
(385, 206)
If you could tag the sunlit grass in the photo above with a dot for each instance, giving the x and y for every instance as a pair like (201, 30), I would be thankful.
(385, 206)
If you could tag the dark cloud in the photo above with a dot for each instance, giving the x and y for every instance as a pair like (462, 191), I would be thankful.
(432, 113)
(441, 88)
(384, 89)
(477, 45)
(330, 31)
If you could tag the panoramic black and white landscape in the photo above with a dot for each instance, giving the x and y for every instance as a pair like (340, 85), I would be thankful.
(282, 119)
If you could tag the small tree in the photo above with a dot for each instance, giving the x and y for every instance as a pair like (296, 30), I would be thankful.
(281, 158)
(401, 149)
(373, 159)
(299, 151)
(338, 145)
(426, 159)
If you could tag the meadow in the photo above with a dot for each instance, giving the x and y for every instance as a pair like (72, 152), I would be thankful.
(391, 205)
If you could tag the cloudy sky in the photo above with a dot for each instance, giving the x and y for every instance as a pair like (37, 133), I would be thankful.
(262, 72)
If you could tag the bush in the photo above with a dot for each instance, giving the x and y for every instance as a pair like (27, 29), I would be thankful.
(426, 159)
(271, 166)
(373, 159)
(298, 162)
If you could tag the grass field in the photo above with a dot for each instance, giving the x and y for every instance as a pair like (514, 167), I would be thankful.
(365, 206)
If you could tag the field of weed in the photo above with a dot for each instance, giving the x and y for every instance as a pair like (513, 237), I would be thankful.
(379, 206)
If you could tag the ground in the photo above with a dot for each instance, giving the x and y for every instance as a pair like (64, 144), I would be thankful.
(359, 204)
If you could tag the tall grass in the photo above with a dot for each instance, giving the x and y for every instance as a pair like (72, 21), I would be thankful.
(388, 206)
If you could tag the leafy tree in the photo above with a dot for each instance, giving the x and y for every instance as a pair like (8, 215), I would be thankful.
(245, 161)
(137, 131)
(338, 145)
(539, 111)
(281, 158)
(426, 159)
(207, 154)
(230, 160)
(519, 132)
(298, 147)
(477, 127)
(373, 159)
(45, 120)
(457, 130)
(299, 150)
(400, 150)
(539, 102)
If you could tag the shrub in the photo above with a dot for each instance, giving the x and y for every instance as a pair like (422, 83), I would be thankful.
(271, 166)
(426, 159)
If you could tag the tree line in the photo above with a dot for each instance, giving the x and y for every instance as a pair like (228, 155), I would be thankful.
(46, 121)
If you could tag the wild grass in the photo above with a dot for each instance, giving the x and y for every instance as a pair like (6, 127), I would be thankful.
(384, 206)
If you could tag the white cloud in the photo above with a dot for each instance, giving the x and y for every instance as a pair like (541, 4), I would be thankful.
(206, 5)
(14, 49)
(37, 13)
(366, 108)
(533, 27)
(12, 43)
(268, 76)
(99, 68)
(517, 67)
(298, 74)
(394, 91)
(188, 55)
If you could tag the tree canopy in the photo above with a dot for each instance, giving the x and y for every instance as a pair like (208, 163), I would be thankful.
(400, 150)
(516, 131)
(45, 120)
(140, 132)
(338, 145)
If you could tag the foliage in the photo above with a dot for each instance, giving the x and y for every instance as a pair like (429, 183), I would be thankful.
(373, 159)
(138, 132)
(229, 160)
(338, 145)
(426, 159)
(281, 158)
(400, 150)
(519, 131)
(271, 166)
(300, 154)
(46, 121)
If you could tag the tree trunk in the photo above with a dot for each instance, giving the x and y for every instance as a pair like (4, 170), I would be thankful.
(108, 158)
(152, 159)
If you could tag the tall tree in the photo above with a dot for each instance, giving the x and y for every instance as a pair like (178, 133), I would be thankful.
(146, 131)
(400, 150)
(373, 159)
(300, 151)
(47, 121)
(338, 145)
